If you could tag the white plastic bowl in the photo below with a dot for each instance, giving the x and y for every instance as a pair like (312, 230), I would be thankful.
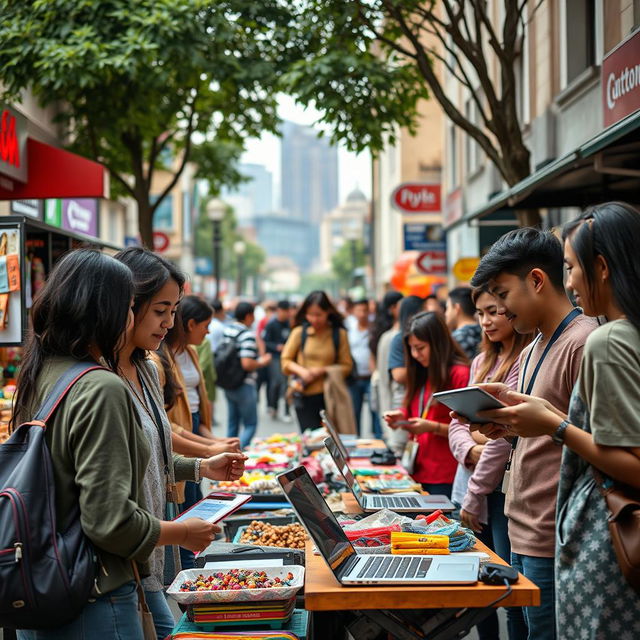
(238, 595)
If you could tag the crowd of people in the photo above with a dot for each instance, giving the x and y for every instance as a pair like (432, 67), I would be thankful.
(563, 355)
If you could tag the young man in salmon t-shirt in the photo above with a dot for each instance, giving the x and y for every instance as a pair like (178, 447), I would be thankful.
(524, 270)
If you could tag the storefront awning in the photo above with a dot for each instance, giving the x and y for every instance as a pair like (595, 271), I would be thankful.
(56, 173)
(604, 168)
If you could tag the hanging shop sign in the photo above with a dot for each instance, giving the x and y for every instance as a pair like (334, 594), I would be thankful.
(160, 241)
(423, 237)
(432, 262)
(621, 81)
(30, 208)
(78, 215)
(13, 144)
(417, 197)
(453, 210)
(464, 269)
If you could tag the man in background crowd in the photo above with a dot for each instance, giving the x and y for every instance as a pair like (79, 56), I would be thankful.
(217, 324)
(460, 316)
(275, 335)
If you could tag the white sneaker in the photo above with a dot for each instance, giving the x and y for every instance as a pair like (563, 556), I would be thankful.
(287, 418)
(272, 413)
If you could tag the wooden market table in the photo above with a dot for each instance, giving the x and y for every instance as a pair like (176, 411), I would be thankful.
(455, 607)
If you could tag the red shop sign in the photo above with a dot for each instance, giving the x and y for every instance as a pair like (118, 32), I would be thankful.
(417, 197)
(621, 81)
(13, 144)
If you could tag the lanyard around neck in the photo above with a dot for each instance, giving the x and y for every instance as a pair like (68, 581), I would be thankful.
(554, 338)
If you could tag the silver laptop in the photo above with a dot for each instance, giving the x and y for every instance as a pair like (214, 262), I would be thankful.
(351, 568)
(370, 503)
(346, 442)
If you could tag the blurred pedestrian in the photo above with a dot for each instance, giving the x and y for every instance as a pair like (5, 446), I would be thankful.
(317, 342)
(276, 334)
(461, 320)
(242, 402)
(216, 326)
(360, 386)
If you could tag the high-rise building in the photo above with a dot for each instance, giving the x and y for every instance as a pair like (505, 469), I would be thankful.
(309, 174)
(253, 197)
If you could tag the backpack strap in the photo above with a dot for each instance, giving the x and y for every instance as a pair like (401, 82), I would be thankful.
(62, 387)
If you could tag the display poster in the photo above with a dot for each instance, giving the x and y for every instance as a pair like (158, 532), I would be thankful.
(11, 298)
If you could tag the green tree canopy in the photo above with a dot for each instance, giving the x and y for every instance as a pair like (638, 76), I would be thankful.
(346, 260)
(137, 83)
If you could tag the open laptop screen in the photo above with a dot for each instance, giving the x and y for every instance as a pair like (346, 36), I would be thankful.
(333, 432)
(343, 467)
(316, 516)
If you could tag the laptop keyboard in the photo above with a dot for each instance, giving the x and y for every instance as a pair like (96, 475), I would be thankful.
(398, 568)
(395, 502)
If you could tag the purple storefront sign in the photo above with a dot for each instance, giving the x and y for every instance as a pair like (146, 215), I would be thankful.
(80, 215)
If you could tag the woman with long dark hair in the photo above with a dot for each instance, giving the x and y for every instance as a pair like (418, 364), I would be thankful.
(601, 434)
(98, 449)
(317, 342)
(157, 293)
(434, 363)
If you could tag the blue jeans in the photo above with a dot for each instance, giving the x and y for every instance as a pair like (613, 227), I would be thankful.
(113, 615)
(162, 616)
(360, 388)
(242, 405)
(540, 621)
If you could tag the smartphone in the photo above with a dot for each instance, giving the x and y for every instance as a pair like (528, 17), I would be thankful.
(403, 423)
(468, 402)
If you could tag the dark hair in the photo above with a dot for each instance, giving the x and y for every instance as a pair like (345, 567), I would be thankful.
(520, 251)
(191, 308)
(322, 300)
(462, 296)
(285, 305)
(84, 304)
(493, 350)
(150, 273)
(430, 327)
(409, 307)
(243, 309)
(361, 301)
(610, 230)
(216, 305)
(384, 320)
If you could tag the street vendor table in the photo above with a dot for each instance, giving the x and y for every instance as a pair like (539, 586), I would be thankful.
(460, 607)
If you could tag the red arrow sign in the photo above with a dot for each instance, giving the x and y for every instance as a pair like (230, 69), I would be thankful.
(432, 262)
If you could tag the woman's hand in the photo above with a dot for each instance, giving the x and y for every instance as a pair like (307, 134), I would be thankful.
(470, 521)
(224, 466)
(224, 447)
(317, 372)
(417, 426)
(393, 417)
(198, 534)
(526, 416)
(487, 430)
(306, 375)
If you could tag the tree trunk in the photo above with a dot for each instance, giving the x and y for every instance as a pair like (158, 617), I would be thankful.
(145, 221)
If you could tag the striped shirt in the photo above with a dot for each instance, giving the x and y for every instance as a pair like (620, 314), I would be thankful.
(245, 339)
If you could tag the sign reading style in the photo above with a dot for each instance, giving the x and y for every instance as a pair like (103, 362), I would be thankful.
(417, 197)
(621, 81)
(13, 144)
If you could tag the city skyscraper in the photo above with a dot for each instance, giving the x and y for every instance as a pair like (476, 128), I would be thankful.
(309, 174)
(254, 197)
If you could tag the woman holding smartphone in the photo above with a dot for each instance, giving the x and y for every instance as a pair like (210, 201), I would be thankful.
(601, 434)
(434, 363)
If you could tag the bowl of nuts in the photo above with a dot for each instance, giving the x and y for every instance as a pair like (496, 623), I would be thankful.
(199, 586)
(264, 534)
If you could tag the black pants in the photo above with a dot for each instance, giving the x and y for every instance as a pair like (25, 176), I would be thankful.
(309, 413)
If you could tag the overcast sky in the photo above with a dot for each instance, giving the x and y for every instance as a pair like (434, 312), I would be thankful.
(353, 170)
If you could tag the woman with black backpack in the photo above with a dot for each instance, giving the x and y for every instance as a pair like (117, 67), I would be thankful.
(317, 342)
(99, 455)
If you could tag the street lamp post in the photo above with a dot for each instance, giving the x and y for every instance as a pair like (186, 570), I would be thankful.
(215, 212)
(239, 247)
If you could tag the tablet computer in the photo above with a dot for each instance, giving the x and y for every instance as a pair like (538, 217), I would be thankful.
(214, 507)
(468, 401)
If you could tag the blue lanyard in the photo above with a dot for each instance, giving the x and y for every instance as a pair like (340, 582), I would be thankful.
(554, 338)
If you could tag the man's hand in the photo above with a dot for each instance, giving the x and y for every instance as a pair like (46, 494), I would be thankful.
(470, 521)
(393, 417)
(473, 457)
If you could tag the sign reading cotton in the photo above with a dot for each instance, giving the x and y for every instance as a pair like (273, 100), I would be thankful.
(621, 81)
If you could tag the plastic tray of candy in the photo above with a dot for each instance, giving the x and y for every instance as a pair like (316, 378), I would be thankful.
(239, 595)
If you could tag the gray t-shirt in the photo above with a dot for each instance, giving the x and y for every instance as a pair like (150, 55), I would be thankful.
(609, 383)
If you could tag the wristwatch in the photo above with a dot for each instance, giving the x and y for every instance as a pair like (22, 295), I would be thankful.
(558, 435)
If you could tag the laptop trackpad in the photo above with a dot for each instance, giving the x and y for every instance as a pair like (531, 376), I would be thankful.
(453, 571)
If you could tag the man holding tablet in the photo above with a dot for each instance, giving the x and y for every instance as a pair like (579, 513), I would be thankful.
(524, 271)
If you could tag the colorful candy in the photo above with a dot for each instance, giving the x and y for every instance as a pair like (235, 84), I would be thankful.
(234, 580)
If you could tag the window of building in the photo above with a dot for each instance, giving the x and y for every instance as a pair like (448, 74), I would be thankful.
(472, 148)
(452, 158)
(579, 37)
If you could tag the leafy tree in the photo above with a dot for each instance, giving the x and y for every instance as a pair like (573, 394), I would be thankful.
(138, 84)
(372, 60)
(346, 260)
